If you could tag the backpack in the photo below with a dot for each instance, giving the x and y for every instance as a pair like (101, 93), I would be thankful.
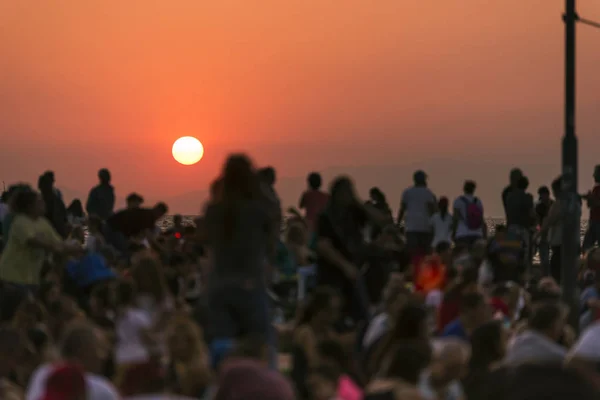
(474, 217)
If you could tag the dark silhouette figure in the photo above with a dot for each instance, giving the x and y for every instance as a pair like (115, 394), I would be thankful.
(56, 212)
(101, 201)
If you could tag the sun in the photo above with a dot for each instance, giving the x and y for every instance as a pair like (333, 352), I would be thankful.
(187, 150)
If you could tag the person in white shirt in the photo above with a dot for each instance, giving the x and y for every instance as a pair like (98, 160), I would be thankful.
(416, 208)
(468, 222)
(83, 344)
(441, 224)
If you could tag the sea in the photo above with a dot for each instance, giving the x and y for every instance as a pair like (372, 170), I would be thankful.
(167, 222)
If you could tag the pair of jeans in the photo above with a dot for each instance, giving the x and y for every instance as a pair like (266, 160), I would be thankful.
(236, 311)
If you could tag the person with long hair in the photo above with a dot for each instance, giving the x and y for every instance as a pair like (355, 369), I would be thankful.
(488, 348)
(239, 226)
(441, 224)
(341, 247)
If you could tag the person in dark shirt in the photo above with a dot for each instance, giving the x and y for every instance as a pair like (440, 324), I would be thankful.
(515, 175)
(541, 209)
(592, 236)
(520, 215)
(101, 200)
(132, 222)
(341, 247)
(56, 212)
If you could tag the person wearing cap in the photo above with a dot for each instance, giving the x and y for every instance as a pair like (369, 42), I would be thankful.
(66, 382)
(417, 206)
(101, 200)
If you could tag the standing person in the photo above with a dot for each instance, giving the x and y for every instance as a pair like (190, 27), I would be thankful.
(552, 227)
(592, 236)
(341, 247)
(378, 201)
(515, 175)
(56, 212)
(239, 226)
(441, 224)
(313, 200)
(469, 222)
(101, 200)
(418, 205)
(267, 178)
(520, 216)
(542, 208)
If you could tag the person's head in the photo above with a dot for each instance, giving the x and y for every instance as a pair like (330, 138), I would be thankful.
(12, 344)
(75, 208)
(469, 187)
(48, 293)
(515, 175)
(523, 183)
(321, 309)
(239, 180)
(104, 176)
(29, 314)
(376, 195)
(78, 234)
(134, 200)
(101, 300)
(478, 252)
(597, 174)
(314, 181)
(342, 192)
(488, 344)
(323, 382)
(177, 220)
(66, 382)
(408, 360)
(443, 205)
(450, 360)
(125, 293)
(185, 340)
(94, 224)
(160, 210)
(548, 318)
(544, 193)
(474, 309)
(149, 279)
(420, 178)
(28, 202)
(267, 175)
(444, 250)
(84, 344)
(557, 187)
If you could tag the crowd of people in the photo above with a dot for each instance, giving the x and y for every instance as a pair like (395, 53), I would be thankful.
(332, 300)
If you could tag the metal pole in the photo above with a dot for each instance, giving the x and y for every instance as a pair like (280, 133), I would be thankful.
(571, 203)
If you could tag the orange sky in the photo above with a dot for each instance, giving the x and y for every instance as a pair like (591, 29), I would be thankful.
(300, 84)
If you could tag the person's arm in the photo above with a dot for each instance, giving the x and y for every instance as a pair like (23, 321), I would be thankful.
(325, 249)
(552, 218)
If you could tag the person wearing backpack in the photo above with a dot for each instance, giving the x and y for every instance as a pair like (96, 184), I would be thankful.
(469, 222)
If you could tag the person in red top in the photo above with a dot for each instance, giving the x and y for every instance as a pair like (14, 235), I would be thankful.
(592, 236)
(313, 201)
(66, 382)
(431, 273)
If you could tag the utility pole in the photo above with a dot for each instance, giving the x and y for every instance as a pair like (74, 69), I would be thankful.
(570, 197)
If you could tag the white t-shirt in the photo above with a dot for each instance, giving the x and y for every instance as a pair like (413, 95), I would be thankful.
(417, 200)
(442, 228)
(460, 206)
(130, 346)
(98, 388)
(588, 345)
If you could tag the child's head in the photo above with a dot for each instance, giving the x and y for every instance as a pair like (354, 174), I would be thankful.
(443, 205)
(323, 382)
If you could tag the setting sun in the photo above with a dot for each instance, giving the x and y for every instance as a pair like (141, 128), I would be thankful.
(187, 150)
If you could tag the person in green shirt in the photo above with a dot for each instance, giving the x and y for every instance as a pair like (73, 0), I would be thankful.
(31, 240)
